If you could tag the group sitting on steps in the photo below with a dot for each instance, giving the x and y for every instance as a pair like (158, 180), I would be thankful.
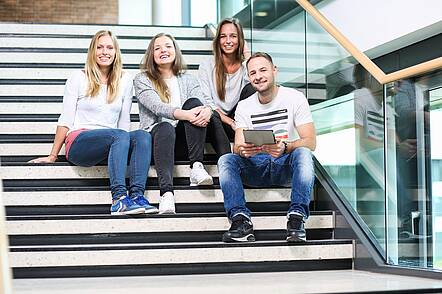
(234, 91)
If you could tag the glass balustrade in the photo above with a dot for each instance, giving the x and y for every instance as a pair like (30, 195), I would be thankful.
(377, 143)
(414, 172)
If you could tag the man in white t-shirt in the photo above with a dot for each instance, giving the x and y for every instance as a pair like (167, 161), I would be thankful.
(288, 162)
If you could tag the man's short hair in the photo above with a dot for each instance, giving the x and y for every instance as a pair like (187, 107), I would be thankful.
(259, 54)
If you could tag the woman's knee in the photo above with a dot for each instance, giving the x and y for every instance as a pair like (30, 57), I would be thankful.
(120, 137)
(120, 134)
(141, 137)
(164, 130)
(215, 117)
(191, 103)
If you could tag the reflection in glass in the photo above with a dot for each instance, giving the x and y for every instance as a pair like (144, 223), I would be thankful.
(350, 126)
(416, 242)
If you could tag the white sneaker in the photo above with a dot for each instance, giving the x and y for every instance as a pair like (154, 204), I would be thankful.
(199, 176)
(167, 203)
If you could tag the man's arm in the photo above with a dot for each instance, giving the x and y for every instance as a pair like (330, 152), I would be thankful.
(307, 138)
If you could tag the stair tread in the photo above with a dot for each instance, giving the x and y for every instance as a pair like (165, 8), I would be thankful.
(173, 245)
(144, 216)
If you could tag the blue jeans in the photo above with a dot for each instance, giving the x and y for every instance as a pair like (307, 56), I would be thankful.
(117, 146)
(293, 170)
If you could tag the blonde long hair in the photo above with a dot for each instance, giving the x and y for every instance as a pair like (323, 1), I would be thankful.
(150, 68)
(220, 69)
(93, 72)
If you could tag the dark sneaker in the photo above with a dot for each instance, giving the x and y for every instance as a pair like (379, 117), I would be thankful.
(241, 230)
(295, 229)
(125, 205)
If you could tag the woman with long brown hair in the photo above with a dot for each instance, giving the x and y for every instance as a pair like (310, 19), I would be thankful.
(171, 109)
(223, 76)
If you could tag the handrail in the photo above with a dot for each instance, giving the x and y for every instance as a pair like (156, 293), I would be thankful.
(363, 59)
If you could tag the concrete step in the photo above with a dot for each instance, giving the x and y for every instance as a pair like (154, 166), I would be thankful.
(90, 30)
(41, 74)
(182, 222)
(53, 198)
(184, 258)
(48, 42)
(79, 58)
(33, 149)
(50, 171)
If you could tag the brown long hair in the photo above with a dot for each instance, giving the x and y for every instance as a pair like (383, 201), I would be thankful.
(220, 69)
(93, 72)
(150, 68)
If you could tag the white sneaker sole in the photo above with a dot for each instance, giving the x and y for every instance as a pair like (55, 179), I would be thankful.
(248, 238)
(204, 182)
(152, 210)
(167, 211)
(135, 211)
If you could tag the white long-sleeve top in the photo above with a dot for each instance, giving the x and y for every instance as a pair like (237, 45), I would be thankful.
(235, 82)
(83, 112)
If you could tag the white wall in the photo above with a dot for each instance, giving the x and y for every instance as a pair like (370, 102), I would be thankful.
(368, 24)
(135, 12)
(166, 12)
(203, 12)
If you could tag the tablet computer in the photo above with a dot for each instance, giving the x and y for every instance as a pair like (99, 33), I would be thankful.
(259, 137)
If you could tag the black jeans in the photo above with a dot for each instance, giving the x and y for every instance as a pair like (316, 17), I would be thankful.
(247, 91)
(185, 139)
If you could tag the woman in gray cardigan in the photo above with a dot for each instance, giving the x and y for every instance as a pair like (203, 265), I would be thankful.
(170, 108)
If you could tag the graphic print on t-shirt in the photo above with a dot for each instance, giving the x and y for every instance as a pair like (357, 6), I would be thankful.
(276, 120)
(375, 126)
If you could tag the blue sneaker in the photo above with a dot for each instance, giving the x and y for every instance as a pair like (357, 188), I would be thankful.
(141, 201)
(124, 205)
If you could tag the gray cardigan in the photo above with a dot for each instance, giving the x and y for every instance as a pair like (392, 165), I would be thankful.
(150, 106)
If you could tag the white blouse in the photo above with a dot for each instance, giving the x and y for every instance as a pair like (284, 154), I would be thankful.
(82, 112)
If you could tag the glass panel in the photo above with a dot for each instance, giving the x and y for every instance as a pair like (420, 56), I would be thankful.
(282, 37)
(349, 117)
(435, 96)
(414, 166)
(234, 8)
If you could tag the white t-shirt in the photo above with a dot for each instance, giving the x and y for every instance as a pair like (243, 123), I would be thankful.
(369, 114)
(83, 112)
(175, 97)
(282, 115)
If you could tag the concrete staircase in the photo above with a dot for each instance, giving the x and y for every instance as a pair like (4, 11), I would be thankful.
(58, 217)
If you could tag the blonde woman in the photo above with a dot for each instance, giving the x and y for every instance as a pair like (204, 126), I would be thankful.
(95, 121)
(171, 110)
(223, 76)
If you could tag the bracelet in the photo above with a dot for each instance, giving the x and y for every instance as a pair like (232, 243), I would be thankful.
(56, 156)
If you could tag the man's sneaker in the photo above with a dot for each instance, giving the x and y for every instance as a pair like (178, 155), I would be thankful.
(125, 205)
(241, 230)
(141, 201)
(199, 176)
(167, 203)
(295, 228)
